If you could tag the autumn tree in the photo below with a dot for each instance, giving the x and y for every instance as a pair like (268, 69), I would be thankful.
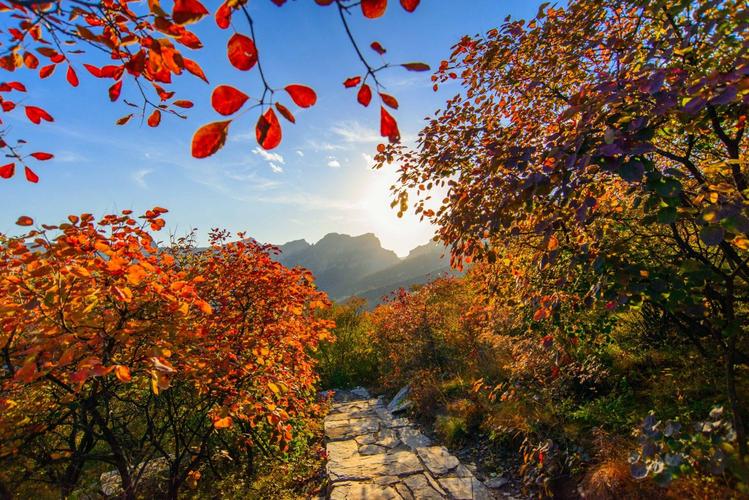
(607, 139)
(117, 351)
(146, 46)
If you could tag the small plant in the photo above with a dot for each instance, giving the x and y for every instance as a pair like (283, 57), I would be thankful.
(666, 452)
(450, 429)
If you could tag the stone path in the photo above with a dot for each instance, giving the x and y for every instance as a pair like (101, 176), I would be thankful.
(373, 455)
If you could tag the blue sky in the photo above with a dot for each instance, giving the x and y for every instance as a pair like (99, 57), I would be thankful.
(319, 180)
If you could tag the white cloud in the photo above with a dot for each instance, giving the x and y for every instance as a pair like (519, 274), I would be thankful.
(322, 146)
(274, 157)
(275, 168)
(333, 163)
(299, 152)
(139, 176)
(354, 132)
(368, 159)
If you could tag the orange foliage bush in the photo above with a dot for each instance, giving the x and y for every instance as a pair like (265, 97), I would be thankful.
(117, 351)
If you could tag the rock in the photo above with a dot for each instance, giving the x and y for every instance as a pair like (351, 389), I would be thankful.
(399, 402)
(372, 449)
(437, 459)
(151, 475)
(422, 488)
(347, 429)
(465, 488)
(360, 392)
(496, 483)
(363, 491)
(413, 438)
(360, 468)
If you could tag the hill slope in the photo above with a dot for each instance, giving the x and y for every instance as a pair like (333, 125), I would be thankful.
(344, 265)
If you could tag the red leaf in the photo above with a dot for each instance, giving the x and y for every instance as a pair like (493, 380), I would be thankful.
(226, 100)
(268, 130)
(72, 77)
(30, 175)
(46, 71)
(188, 11)
(388, 126)
(209, 139)
(285, 112)
(182, 103)
(410, 5)
(303, 96)
(378, 48)
(115, 90)
(365, 95)
(155, 118)
(389, 100)
(7, 171)
(324, 2)
(195, 69)
(352, 82)
(373, 8)
(17, 86)
(36, 115)
(42, 156)
(24, 220)
(242, 52)
(416, 66)
(223, 15)
(93, 70)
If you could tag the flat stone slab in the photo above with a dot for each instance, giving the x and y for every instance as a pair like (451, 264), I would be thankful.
(372, 455)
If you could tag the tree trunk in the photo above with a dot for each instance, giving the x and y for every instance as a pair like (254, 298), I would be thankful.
(733, 400)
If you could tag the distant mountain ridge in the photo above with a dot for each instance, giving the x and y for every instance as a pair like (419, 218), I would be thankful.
(346, 265)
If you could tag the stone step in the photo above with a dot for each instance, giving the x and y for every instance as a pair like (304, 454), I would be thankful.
(373, 455)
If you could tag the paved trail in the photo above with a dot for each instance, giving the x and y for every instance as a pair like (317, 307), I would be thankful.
(373, 455)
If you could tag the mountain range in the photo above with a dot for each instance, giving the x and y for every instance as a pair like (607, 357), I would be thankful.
(346, 266)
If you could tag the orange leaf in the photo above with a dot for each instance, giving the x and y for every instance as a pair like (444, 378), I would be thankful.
(155, 118)
(7, 171)
(181, 103)
(30, 175)
(36, 115)
(416, 66)
(241, 52)
(303, 96)
(410, 5)
(195, 69)
(227, 100)
(25, 220)
(188, 11)
(72, 77)
(268, 130)
(285, 112)
(124, 119)
(553, 244)
(373, 8)
(223, 423)
(209, 139)
(389, 100)
(388, 126)
(122, 373)
(365, 95)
